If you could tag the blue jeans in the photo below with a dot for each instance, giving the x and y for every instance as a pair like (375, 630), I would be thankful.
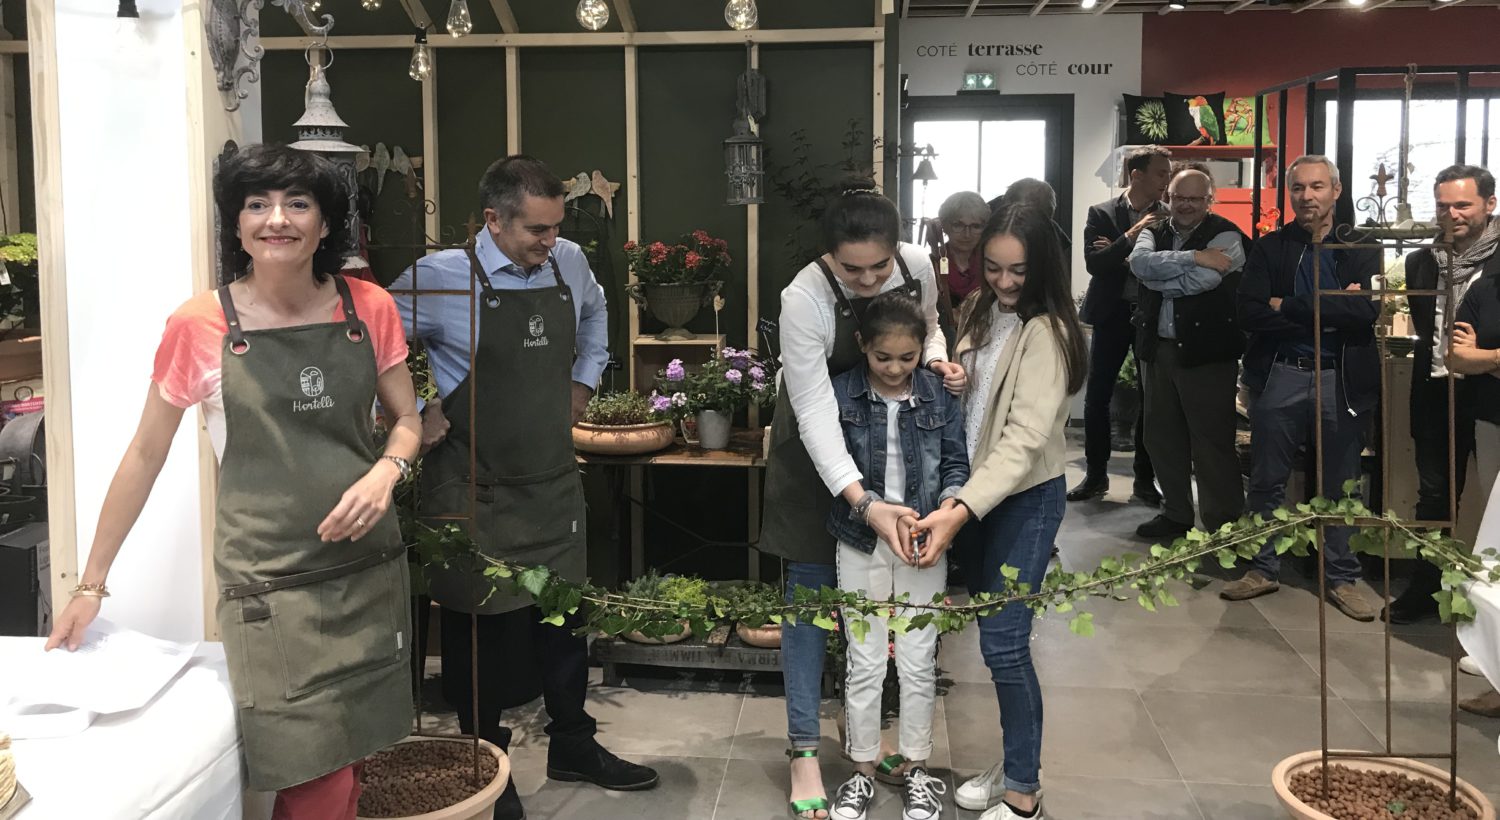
(802, 648)
(1281, 421)
(1019, 533)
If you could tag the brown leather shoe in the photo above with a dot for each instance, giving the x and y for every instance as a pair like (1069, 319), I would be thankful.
(1487, 704)
(1349, 601)
(1251, 585)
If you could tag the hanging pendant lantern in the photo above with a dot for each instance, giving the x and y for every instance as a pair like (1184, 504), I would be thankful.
(593, 14)
(320, 131)
(459, 21)
(421, 58)
(744, 153)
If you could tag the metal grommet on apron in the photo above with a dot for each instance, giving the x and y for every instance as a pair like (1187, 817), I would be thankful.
(314, 632)
(530, 507)
(794, 525)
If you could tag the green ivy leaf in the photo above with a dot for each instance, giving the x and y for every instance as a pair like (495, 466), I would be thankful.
(1082, 624)
(555, 620)
(1011, 573)
(858, 629)
(1145, 602)
(824, 622)
(534, 579)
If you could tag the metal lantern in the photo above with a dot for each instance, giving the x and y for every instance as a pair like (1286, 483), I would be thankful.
(321, 131)
(744, 153)
(744, 165)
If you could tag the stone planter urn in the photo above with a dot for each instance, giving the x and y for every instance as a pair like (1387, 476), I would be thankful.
(673, 304)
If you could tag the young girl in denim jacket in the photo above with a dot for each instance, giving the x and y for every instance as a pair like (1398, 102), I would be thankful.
(906, 435)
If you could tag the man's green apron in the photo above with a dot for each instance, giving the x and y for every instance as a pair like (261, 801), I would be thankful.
(314, 632)
(529, 508)
(795, 523)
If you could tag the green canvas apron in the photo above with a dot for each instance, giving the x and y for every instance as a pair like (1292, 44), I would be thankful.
(529, 507)
(795, 522)
(314, 632)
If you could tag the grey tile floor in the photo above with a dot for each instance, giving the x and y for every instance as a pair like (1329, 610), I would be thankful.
(1178, 714)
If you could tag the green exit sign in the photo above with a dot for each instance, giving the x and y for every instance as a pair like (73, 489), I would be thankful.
(979, 81)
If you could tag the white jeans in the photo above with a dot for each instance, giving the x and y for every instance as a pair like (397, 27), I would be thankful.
(881, 575)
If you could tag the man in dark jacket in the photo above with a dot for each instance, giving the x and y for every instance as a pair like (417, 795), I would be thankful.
(1189, 345)
(1465, 196)
(1287, 368)
(1108, 237)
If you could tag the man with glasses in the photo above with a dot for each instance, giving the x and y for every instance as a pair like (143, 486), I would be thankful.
(1108, 237)
(1465, 197)
(1188, 345)
(1287, 368)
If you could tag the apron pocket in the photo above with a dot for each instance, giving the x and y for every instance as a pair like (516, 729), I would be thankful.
(336, 629)
(244, 624)
(540, 514)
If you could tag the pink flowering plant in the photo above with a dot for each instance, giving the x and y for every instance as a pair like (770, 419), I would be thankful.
(730, 380)
(697, 257)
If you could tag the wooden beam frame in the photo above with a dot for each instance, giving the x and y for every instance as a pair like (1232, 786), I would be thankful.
(1105, 6)
(1377, 4)
(603, 39)
(626, 14)
(417, 13)
(973, 4)
(1242, 4)
(506, 17)
(512, 101)
(430, 152)
(1037, 9)
(1437, 6)
(1310, 4)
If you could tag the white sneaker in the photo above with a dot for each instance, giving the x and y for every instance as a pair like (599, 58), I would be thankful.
(1004, 812)
(1469, 666)
(979, 793)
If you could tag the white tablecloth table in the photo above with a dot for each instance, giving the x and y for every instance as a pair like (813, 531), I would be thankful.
(1481, 638)
(178, 758)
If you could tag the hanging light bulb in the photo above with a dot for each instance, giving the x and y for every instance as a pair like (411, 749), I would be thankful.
(421, 58)
(593, 14)
(741, 14)
(313, 6)
(370, 5)
(459, 21)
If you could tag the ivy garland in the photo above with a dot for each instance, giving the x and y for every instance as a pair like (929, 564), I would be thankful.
(1146, 577)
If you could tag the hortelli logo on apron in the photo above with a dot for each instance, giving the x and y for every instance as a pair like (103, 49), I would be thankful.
(311, 381)
(537, 329)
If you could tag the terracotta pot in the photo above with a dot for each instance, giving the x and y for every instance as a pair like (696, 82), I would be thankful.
(622, 440)
(481, 805)
(1281, 778)
(765, 637)
(687, 632)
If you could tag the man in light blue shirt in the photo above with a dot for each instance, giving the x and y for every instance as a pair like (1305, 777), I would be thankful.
(1188, 344)
(502, 456)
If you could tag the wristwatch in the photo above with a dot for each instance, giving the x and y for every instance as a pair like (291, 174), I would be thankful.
(861, 509)
(401, 464)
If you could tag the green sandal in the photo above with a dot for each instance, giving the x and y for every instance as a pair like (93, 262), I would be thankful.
(885, 770)
(811, 804)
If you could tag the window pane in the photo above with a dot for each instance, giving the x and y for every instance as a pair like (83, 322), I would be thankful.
(956, 165)
(1011, 149)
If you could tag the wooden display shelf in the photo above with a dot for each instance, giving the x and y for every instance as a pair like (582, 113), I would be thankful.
(722, 649)
(649, 355)
(1221, 152)
(745, 450)
(698, 339)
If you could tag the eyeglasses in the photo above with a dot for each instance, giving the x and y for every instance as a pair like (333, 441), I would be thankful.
(963, 227)
(1188, 200)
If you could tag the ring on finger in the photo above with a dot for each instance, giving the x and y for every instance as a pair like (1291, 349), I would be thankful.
(359, 522)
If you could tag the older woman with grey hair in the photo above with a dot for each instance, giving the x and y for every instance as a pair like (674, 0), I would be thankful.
(957, 264)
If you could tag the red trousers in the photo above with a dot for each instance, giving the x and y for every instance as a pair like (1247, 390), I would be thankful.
(334, 796)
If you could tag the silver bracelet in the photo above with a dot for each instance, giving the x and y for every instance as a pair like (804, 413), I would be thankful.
(861, 510)
(401, 464)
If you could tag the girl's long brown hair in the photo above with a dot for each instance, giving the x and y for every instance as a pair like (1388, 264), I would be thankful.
(1046, 291)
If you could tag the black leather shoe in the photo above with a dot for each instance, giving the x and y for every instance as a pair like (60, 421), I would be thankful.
(592, 763)
(1162, 527)
(1409, 609)
(509, 807)
(1146, 494)
(1090, 487)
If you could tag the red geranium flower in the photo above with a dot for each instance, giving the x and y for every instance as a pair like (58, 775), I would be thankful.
(692, 260)
(630, 246)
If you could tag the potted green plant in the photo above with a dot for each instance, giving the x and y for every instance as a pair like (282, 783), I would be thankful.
(1125, 404)
(625, 423)
(674, 282)
(756, 604)
(20, 291)
(674, 589)
(729, 381)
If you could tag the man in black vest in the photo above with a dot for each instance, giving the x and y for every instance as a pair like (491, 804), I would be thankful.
(1286, 368)
(1465, 197)
(1109, 236)
(1189, 347)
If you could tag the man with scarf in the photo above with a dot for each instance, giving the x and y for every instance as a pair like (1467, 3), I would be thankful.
(1465, 197)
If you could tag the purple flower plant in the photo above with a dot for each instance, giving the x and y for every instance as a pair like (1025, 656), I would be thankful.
(660, 403)
(733, 376)
(757, 373)
(675, 372)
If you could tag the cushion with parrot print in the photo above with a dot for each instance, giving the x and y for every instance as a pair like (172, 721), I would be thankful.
(1145, 120)
(1194, 119)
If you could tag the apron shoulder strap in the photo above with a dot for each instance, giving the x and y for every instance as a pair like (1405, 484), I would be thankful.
(490, 297)
(913, 287)
(845, 309)
(356, 328)
(562, 286)
(237, 343)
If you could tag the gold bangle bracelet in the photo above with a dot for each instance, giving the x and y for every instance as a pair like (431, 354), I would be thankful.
(90, 591)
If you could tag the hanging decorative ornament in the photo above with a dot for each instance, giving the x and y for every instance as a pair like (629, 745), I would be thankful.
(370, 5)
(741, 14)
(421, 58)
(593, 14)
(459, 21)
